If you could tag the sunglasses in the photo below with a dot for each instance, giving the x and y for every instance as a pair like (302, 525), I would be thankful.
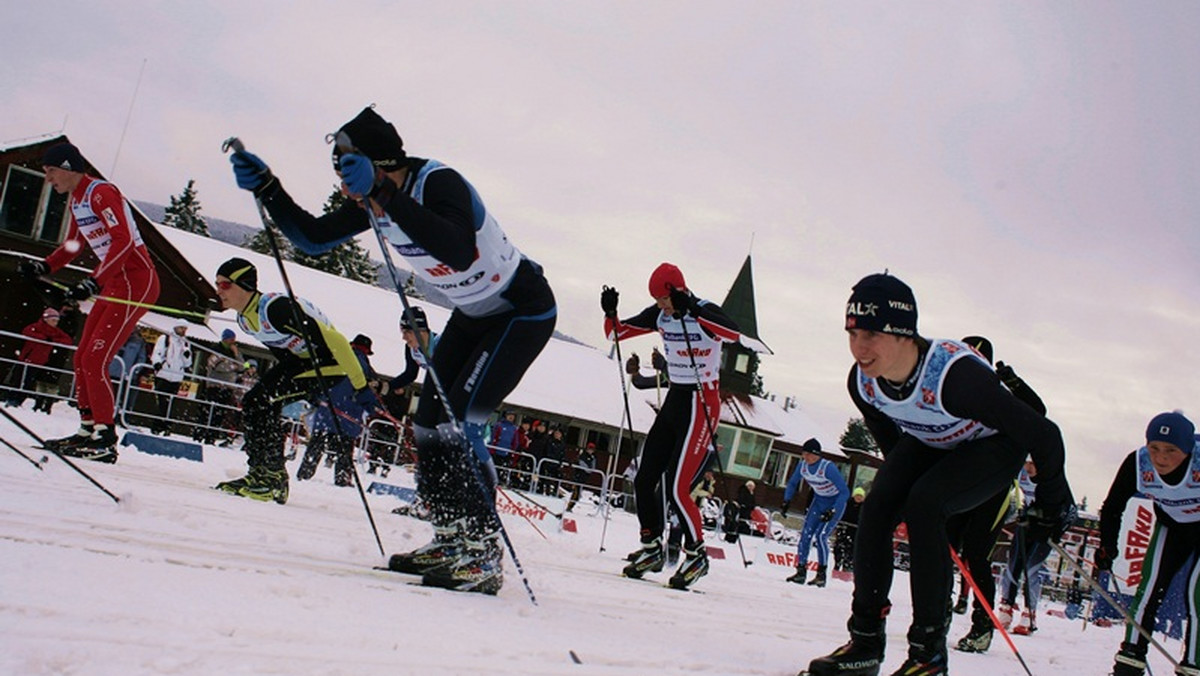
(223, 284)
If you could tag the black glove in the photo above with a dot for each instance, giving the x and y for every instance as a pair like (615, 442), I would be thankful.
(681, 302)
(633, 364)
(1007, 375)
(157, 366)
(32, 269)
(658, 361)
(85, 289)
(608, 302)
(783, 509)
(1103, 559)
(1046, 524)
(826, 516)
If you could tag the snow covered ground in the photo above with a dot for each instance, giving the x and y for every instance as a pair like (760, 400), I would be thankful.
(180, 579)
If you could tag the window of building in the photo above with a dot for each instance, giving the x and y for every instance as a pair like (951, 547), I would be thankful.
(750, 452)
(742, 363)
(29, 206)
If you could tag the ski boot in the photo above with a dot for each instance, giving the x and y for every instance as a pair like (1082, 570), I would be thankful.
(1129, 661)
(926, 652)
(259, 483)
(1004, 613)
(694, 567)
(1027, 624)
(100, 447)
(978, 640)
(648, 559)
(818, 579)
(83, 434)
(800, 575)
(860, 656)
(445, 547)
(308, 466)
(478, 568)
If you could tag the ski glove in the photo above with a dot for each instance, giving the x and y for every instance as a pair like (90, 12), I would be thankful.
(1046, 524)
(358, 173)
(1007, 375)
(681, 302)
(32, 269)
(1102, 559)
(608, 301)
(251, 172)
(826, 516)
(633, 365)
(85, 289)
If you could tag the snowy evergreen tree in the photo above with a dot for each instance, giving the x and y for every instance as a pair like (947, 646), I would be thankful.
(858, 436)
(348, 259)
(184, 212)
(410, 287)
(258, 242)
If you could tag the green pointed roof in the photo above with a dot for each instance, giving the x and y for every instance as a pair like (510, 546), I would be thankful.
(739, 302)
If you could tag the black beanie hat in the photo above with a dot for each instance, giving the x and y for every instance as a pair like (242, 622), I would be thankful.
(64, 156)
(982, 345)
(373, 136)
(241, 272)
(418, 319)
(883, 303)
(812, 446)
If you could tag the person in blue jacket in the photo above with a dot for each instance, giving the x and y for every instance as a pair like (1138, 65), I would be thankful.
(830, 494)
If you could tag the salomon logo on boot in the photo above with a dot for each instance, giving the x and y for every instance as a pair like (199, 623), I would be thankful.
(861, 656)
(478, 569)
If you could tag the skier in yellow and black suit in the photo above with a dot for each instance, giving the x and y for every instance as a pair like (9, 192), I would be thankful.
(272, 319)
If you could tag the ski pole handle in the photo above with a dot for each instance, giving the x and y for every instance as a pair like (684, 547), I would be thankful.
(232, 143)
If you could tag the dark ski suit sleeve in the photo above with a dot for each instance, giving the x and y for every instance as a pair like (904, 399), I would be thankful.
(1124, 487)
(642, 323)
(715, 322)
(444, 226)
(411, 369)
(882, 428)
(972, 390)
(1021, 390)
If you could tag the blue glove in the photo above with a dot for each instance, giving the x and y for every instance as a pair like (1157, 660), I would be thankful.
(358, 173)
(85, 289)
(366, 399)
(250, 171)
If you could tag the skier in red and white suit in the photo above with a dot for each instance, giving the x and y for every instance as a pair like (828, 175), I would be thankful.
(101, 218)
(679, 441)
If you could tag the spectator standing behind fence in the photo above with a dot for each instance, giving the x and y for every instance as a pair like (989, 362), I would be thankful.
(172, 360)
(585, 464)
(550, 469)
(132, 353)
(224, 365)
(33, 356)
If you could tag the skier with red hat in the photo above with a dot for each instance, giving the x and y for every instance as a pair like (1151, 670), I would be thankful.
(680, 440)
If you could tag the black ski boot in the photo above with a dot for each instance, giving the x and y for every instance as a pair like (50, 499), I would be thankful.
(100, 447)
(83, 434)
(801, 574)
(861, 656)
(477, 569)
(445, 547)
(1129, 661)
(818, 579)
(979, 639)
(259, 483)
(694, 567)
(649, 559)
(926, 652)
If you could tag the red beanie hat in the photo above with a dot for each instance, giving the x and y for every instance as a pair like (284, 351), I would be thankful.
(664, 278)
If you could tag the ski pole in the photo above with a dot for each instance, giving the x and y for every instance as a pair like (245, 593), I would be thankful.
(627, 417)
(235, 144)
(712, 433)
(468, 453)
(1125, 614)
(988, 607)
(16, 450)
(535, 503)
(125, 301)
(516, 508)
(62, 457)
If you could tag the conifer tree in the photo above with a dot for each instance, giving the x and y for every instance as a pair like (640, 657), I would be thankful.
(348, 259)
(184, 212)
(858, 436)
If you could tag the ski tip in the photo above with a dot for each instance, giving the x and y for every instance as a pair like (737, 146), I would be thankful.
(574, 657)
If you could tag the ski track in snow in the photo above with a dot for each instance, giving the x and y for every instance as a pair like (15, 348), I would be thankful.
(179, 579)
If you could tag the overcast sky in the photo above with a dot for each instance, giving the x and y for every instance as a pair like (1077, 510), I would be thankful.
(1030, 169)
